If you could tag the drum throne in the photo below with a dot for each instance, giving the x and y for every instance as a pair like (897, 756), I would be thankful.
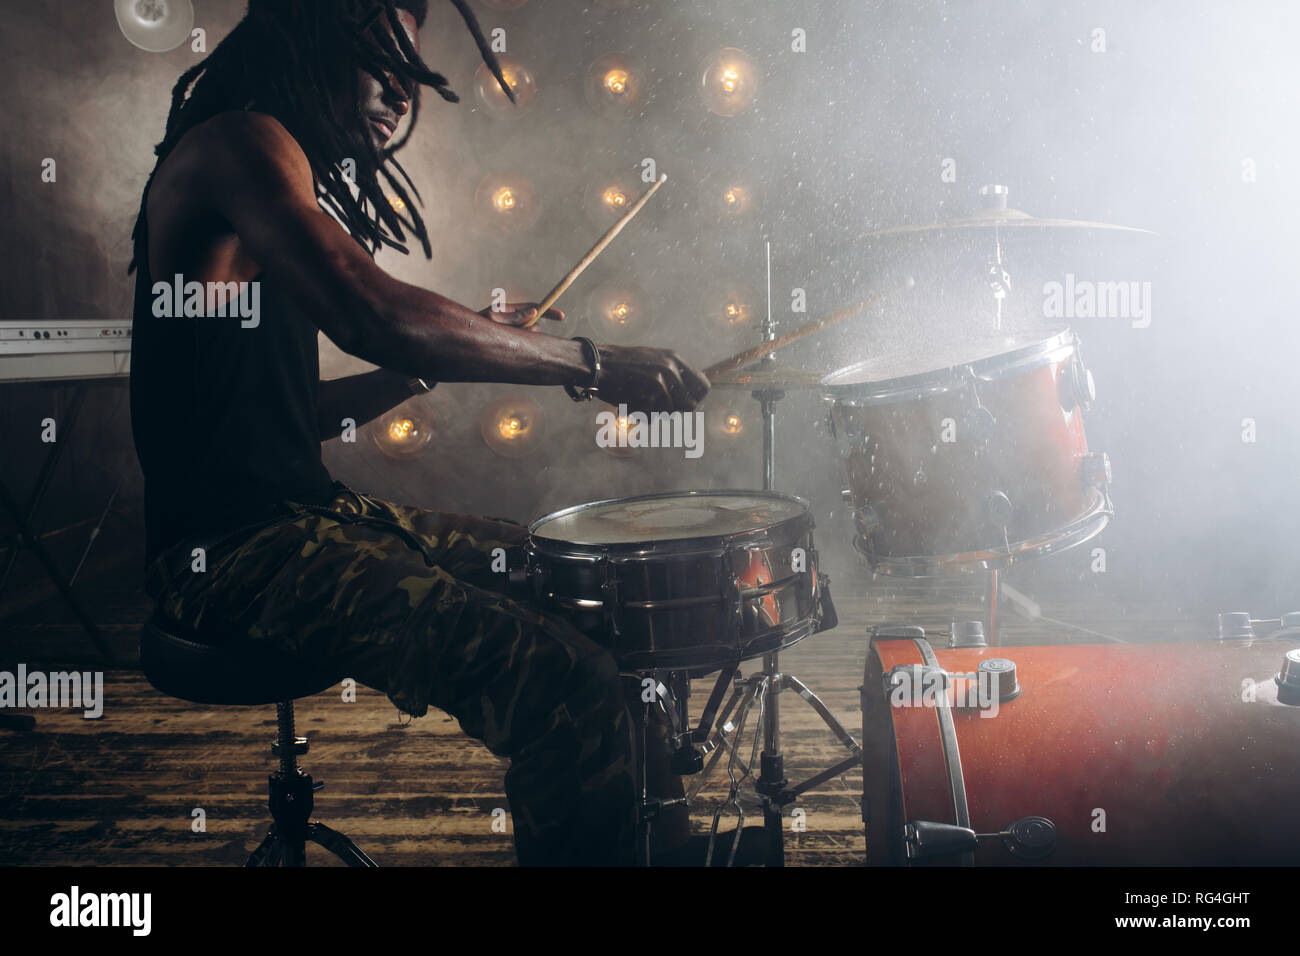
(244, 672)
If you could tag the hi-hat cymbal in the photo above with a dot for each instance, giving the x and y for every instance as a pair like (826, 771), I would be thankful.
(155, 25)
(999, 216)
(768, 375)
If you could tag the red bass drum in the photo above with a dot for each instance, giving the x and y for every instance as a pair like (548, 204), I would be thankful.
(1147, 755)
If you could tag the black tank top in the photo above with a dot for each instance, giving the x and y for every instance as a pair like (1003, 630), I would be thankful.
(224, 417)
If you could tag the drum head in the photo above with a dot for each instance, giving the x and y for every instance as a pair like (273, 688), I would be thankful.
(917, 367)
(676, 516)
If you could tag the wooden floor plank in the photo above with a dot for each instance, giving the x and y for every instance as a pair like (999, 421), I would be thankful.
(121, 789)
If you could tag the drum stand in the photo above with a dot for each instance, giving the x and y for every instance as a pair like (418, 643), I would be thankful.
(719, 732)
(722, 732)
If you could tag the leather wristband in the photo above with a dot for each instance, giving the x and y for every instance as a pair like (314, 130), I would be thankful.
(585, 393)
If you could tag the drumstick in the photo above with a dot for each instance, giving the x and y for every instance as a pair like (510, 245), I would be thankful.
(741, 359)
(591, 255)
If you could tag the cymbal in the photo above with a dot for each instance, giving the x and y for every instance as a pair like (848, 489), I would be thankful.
(155, 25)
(768, 375)
(999, 216)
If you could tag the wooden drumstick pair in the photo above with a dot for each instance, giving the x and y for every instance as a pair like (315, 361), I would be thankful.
(739, 359)
(592, 253)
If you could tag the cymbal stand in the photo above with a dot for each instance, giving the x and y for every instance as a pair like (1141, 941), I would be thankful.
(764, 689)
(720, 731)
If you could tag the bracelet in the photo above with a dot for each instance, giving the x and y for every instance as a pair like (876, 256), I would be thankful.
(585, 393)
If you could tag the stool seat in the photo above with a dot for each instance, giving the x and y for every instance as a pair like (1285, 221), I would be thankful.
(238, 672)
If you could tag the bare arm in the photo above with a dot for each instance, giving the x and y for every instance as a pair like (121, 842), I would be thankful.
(260, 182)
(366, 396)
(362, 398)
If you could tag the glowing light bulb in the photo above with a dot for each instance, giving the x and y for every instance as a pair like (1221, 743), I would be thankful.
(620, 310)
(616, 81)
(725, 424)
(608, 196)
(735, 200)
(493, 98)
(730, 82)
(512, 426)
(397, 203)
(507, 202)
(403, 434)
(734, 312)
(614, 86)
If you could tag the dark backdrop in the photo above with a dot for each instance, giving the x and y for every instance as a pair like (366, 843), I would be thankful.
(1184, 125)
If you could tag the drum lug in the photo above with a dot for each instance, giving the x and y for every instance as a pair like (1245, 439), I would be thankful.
(609, 601)
(999, 509)
(867, 520)
(830, 416)
(1288, 679)
(1077, 387)
(1096, 469)
(827, 618)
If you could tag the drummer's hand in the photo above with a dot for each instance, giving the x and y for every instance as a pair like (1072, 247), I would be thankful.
(518, 313)
(650, 380)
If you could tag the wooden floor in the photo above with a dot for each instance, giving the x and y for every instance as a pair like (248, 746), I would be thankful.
(124, 789)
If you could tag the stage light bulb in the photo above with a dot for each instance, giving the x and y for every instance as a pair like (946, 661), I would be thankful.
(493, 99)
(730, 82)
(608, 196)
(403, 434)
(614, 86)
(512, 426)
(729, 303)
(725, 423)
(397, 203)
(621, 311)
(735, 201)
(508, 201)
(616, 81)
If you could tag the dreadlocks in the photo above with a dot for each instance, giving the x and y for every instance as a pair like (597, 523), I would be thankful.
(289, 57)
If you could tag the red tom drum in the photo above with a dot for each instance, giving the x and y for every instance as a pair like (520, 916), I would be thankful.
(971, 460)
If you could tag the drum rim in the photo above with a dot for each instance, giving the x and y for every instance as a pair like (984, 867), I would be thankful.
(671, 545)
(950, 377)
(1078, 531)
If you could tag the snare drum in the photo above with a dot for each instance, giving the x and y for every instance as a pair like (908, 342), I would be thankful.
(1146, 755)
(974, 465)
(689, 580)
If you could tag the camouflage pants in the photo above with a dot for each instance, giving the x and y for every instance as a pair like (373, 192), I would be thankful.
(405, 601)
